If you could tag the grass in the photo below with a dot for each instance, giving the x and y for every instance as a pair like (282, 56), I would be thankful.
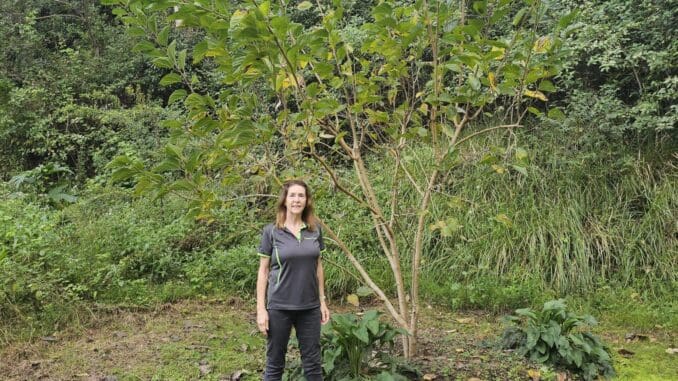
(173, 341)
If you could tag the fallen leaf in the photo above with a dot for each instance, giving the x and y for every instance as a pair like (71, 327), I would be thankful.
(467, 320)
(561, 377)
(353, 299)
(534, 374)
(459, 350)
(672, 351)
(430, 376)
(474, 379)
(626, 352)
(205, 369)
(49, 339)
(635, 337)
(119, 334)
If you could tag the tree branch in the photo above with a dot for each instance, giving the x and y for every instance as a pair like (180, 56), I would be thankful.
(486, 130)
(366, 277)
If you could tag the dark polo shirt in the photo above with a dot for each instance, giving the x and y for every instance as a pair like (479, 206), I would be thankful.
(293, 277)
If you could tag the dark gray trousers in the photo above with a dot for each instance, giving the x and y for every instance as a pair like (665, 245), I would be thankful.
(307, 325)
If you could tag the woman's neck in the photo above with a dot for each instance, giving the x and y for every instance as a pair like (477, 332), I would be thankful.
(293, 220)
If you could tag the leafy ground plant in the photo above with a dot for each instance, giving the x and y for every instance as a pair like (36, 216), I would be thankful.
(357, 348)
(555, 336)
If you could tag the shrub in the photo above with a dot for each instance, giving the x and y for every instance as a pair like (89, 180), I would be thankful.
(357, 349)
(233, 270)
(553, 336)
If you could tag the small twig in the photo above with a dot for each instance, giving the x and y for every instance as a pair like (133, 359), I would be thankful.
(484, 131)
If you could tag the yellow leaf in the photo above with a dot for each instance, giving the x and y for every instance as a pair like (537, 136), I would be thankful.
(353, 299)
(534, 374)
(501, 50)
(493, 81)
(498, 168)
(423, 108)
(504, 219)
(535, 94)
(542, 45)
(252, 71)
(521, 153)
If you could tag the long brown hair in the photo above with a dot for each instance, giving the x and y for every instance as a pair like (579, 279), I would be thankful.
(306, 215)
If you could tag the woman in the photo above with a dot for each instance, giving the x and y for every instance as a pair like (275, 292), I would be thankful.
(290, 291)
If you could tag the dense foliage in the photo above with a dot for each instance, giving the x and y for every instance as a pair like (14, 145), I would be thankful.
(358, 348)
(72, 95)
(622, 70)
(555, 336)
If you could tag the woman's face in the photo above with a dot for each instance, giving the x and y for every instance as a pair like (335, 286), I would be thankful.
(295, 202)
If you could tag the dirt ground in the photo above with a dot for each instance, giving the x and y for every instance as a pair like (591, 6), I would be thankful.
(217, 340)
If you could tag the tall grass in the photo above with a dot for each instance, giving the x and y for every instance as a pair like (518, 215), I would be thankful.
(575, 222)
(570, 225)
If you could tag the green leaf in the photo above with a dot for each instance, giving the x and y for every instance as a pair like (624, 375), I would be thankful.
(183, 185)
(143, 47)
(181, 59)
(535, 111)
(521, 154)
(361, 334)
(163, 36)
(122, 174)
(526, 312)
(136, 31)
(547, 86)
(518, 18)
(364, 291)
(163, 63)
(520, 169)
(474, 82)
(304, 6)
(177, 95)
(170, 79)
(555, 305)
(556, 114)
(373, 326)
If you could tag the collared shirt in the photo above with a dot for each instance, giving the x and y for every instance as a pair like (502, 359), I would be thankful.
(293, 276)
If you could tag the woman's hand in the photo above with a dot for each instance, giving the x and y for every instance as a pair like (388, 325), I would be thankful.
(262, 321)
(324, 313)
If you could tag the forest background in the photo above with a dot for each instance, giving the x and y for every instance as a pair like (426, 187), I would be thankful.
(579, 202)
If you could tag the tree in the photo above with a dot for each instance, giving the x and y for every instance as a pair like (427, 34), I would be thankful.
(419, 73)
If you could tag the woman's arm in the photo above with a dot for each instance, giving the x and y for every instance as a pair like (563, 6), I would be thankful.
(324, 311)
(262, 283)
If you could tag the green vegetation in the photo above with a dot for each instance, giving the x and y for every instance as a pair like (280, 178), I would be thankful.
(558, 337)
(125, 186)
(351, 344)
